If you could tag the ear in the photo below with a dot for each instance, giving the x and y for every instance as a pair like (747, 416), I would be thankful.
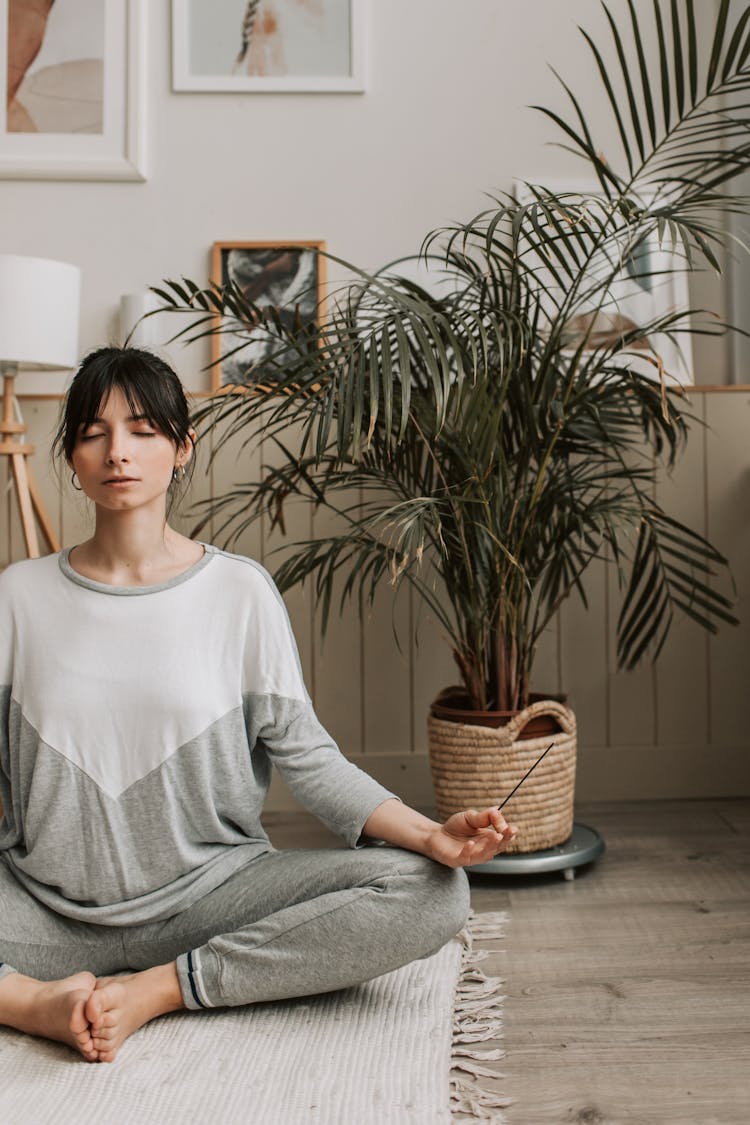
(185, 451)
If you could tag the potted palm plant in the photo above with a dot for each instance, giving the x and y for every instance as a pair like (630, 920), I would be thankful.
(487, 434)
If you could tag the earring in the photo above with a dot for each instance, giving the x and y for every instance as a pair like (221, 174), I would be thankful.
(77, 487)
(178, 472)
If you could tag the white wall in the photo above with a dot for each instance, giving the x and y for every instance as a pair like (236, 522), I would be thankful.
(444, 119)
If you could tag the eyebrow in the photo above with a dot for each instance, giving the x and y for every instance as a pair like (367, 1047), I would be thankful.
(130, 418)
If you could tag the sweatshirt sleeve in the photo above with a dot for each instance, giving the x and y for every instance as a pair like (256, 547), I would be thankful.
(279, 714)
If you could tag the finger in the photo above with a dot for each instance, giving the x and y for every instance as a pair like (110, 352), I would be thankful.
(480, 852)
(496, 818)
(487, 835)
(487, 818)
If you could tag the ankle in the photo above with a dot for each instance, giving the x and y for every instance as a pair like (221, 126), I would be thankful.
(17, 996)
(172, 992)
(13, 985)
(163, 986)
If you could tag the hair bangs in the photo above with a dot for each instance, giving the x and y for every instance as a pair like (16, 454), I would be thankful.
(149, 385)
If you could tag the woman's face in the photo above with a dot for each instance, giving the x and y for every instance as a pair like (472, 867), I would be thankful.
(122, 460)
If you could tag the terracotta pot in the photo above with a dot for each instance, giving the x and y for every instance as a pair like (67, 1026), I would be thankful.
(452, 704)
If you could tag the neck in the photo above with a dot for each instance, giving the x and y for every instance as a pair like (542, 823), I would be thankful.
(136, 548)
(134, 541)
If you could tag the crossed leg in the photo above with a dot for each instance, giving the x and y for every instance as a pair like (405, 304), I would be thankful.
(288, 924)
(44, 992)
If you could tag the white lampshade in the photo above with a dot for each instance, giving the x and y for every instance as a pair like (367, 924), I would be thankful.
(39, 301)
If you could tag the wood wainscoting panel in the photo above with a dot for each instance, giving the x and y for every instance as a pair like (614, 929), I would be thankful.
(585, 657)
(276, 545)
(682, 681)
(338, 656)
(5, 502)
(387, 688)
(433, 666)
(42, 416)
(187, 510)
(232, 465)
(728, 468)
(546, 672)
(632, 695)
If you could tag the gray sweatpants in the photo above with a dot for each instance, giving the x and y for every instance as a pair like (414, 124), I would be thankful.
(290, 923)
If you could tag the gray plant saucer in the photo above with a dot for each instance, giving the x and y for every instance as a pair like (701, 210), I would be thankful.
(584, 845)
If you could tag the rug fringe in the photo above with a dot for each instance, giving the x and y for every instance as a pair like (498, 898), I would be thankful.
(476, 1020)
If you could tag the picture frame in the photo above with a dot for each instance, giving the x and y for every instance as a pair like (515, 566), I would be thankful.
(268, 46)
(77, 117)
(640, 302)
(287, 274)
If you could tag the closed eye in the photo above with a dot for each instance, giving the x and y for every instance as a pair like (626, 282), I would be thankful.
(136, 433)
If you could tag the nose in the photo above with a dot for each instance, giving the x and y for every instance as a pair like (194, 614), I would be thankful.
(117, 453)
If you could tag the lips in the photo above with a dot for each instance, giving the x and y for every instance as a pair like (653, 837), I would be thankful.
(121, 480)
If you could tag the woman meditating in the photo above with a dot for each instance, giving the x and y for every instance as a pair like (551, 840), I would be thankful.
(149, 683)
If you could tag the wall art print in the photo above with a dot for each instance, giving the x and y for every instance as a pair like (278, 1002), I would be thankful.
(268, 46)
(288, 275)
(73, 74)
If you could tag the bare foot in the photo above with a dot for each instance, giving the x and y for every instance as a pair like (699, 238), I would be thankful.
(118, 1006)
(51, 1009)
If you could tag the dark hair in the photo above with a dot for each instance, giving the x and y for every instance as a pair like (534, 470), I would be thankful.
(149, 385)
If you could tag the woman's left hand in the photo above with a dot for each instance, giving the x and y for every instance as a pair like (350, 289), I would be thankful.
(471, 837)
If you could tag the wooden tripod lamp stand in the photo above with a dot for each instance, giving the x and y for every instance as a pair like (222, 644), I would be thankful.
(39, 302)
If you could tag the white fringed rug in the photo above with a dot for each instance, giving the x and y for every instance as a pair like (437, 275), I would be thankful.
(404, 1049)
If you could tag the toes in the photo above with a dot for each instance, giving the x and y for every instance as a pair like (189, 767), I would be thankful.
(86, 1046)
(83, 1038)
(99, 1010)
(109, 1017)
(93, 1009)
(107, 1056)
(79, 1021)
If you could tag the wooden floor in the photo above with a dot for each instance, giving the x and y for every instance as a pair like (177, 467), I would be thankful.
(628, 989)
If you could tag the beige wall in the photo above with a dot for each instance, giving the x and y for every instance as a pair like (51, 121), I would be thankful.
(679, 729)
(443, 121)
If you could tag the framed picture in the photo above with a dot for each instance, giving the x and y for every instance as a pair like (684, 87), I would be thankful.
(288, 275)
(268, 46)
(73, 72)
(652, 283)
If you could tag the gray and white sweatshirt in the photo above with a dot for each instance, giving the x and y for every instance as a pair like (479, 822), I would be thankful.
(138, 727)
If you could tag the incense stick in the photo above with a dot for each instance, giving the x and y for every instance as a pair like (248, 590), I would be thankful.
(536, 763)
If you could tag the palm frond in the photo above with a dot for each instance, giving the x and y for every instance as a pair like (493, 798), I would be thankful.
(671, 569)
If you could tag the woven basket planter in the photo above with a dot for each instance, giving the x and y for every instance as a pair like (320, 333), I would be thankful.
(477, 766)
